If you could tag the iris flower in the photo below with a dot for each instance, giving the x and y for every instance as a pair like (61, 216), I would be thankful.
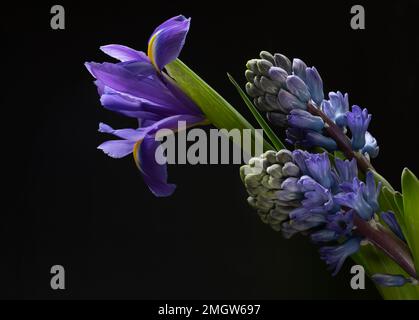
(137, 87)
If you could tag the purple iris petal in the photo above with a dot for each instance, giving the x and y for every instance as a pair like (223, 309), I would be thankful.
(123, 53)
(169, 23)
(127, 134)
(180, 95)
(120, 148)
(127, 107)
(154, 174)
(117, 148)
(100, 87)
(123, 103)
(118, 78)
(167, 41)
(139, 68)
(172, 123)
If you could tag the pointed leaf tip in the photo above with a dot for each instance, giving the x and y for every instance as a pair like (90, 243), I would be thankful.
(277, 143)
(410, 188)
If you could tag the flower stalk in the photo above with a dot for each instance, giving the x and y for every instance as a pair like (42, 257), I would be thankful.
(341, 139)
(392, 246)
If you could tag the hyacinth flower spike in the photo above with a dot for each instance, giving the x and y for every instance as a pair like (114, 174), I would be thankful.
(291, 95)
(300, 192)
(137, 87)
(330, 203)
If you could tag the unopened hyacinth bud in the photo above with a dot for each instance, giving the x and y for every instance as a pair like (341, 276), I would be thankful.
(389, 280)
(278, 86)
(271, 182)
(390, 219)
(283, 90)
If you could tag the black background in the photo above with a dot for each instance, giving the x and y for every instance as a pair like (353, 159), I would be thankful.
(65, 202)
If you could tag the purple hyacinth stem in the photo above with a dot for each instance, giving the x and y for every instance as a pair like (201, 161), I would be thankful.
(341, 139)
(391, 245)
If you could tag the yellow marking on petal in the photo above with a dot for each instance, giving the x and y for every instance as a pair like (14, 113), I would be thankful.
(136, 155)
(150, 50)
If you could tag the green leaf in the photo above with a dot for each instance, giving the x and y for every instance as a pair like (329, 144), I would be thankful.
(410, 188)
(398, 199)
(217, 110)
(339, 155)
(385, 183)
(388, 202)
(375, 261)
(265, 126)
